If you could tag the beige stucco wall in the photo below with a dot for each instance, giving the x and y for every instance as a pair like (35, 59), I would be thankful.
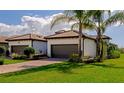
(59, 41)
(22, 42)
(89, 47)
(40, 47)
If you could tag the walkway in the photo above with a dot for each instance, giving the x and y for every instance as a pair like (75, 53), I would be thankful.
(27, 65)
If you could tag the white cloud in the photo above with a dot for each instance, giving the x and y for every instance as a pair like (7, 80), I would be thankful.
(30, 24)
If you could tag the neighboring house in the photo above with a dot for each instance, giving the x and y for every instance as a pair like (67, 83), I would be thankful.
(64, 43)
(3, 41)
(17, 44)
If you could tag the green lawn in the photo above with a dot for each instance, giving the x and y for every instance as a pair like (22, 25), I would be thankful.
(12, 61)
(109, 71)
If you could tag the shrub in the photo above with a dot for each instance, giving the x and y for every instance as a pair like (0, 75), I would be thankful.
(1, 61)
(74, 58)
(121, 50)
(18, 57)
(2, 50)
(28, 51)
(22, 57)
(15, 56)
(88, 59)
(114, 54)
(7, 53)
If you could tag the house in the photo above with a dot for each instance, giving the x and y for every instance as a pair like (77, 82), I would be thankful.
(3, 41)
(17, 44)
(63, 43)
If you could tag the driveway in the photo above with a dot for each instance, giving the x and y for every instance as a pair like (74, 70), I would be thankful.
(28, 64)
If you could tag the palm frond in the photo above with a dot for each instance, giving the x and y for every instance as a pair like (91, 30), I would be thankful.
(102, 28)
(85, 25)
(118, 17)
(75, 26)
(89, 24)
(69, 12)
(59, 19)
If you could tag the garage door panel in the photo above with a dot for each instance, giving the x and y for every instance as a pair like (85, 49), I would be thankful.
(64, 51)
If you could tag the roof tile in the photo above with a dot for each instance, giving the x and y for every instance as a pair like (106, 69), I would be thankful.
(27, 37)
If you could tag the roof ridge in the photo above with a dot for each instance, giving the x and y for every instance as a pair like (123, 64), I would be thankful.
(63, 32)
(18, 36)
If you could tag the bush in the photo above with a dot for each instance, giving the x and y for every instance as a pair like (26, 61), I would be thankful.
(2, 51)
(121, 50)
(7, 53)
(28, 51)
(15, 56)
(75, 58)
(23, 56)
(88, 59)
(18, 57)
(114, 54)
(1, 61)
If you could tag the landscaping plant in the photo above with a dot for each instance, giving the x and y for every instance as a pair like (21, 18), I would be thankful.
(1, 60)
(28, 51)
(18, 57)
(74, 58)
(114, 54)
(2, 51)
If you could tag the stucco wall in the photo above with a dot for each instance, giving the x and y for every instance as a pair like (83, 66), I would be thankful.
(59, 41)
(40, 46)
(89, 48)
(22, 42)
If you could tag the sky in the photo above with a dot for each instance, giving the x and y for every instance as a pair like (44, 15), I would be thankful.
(13, 22)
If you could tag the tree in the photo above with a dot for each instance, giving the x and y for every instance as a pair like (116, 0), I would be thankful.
(101, 19)
(80, 20)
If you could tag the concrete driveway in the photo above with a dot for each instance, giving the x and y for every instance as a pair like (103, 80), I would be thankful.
(28, 64)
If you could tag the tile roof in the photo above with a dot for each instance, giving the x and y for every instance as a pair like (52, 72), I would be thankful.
(27, 37)
(72, 33)
(63, 34)
(3, 39)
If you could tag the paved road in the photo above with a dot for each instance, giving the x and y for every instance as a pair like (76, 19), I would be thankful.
(27, 65)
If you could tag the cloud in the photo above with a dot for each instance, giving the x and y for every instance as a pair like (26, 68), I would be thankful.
(33, 24)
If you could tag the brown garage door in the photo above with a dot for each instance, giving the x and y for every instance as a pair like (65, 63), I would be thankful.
(63, 51)
(18, 49)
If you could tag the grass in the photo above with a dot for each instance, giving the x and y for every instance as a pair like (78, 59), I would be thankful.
(111, 70)
(12, 61)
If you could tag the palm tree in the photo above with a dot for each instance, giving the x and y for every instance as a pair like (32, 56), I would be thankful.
(80, 20)
(92, 19)
(101, 19)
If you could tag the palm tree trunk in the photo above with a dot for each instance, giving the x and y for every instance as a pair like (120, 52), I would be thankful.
(83, 47)
(80, 37)
(101, 55)
(98, 42)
